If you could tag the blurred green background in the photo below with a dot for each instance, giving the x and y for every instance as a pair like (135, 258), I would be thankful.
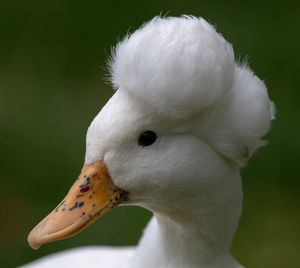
(52, 58)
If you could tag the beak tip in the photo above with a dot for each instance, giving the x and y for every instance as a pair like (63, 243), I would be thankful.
(32, 242)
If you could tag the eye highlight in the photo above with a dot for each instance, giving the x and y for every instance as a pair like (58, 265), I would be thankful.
(147, 138)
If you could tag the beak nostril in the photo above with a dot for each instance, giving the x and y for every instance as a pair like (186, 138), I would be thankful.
(85, 189)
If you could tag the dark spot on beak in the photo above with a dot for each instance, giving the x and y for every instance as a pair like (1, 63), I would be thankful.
(74, 206)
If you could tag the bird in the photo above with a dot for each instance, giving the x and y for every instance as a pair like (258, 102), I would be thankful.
(184, 118)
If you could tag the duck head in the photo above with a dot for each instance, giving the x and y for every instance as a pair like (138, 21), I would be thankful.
(184, 118)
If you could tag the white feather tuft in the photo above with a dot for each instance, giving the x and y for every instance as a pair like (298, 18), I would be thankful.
(179, 65)
(184, 69)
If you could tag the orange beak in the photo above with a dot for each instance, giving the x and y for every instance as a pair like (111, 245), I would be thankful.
(92, 194)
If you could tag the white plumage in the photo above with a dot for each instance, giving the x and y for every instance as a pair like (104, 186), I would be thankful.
(178, 78)
(184, 56)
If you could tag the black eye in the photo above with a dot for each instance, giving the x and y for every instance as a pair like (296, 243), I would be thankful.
(147, 138)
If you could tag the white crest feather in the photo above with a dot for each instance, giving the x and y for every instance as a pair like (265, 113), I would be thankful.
(181, 67)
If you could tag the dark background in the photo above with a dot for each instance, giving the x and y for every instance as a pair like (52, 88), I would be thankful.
(52, 55)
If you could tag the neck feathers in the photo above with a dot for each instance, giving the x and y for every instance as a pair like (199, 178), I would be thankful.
(201, 239)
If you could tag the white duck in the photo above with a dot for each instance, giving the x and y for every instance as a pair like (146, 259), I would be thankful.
(183, 120)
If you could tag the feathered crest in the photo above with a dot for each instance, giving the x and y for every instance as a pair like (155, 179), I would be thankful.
(182, 67)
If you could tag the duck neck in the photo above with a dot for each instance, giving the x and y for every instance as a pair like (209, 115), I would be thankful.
(202, 239)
